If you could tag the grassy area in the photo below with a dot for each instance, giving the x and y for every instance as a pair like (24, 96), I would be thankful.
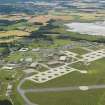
(17, 56)
(16, 98)
(79, 50)
(6, 76)
(3, 50)
(14, 57)
(78, 36)
(93, 97)
(59, 43)
(95, 75)
(45, 44)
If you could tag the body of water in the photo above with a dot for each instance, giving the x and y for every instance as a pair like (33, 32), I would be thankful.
(87, 28)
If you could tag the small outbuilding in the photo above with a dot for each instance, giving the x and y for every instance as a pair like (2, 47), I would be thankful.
(63, 58)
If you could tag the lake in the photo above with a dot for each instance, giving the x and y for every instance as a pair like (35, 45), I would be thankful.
(87, 28)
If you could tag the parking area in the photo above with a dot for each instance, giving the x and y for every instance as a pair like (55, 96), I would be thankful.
(95, 55)
(51, 74)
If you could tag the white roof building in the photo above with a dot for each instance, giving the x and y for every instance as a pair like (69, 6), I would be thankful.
(23, 49)
(28, 59)
(7, 67)
(9, 87)
(34, 64)
(35, 49)
(62, 58)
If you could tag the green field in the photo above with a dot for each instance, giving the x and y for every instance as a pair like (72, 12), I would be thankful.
(6, 77)
(79, 50)
(92, 97)
(17, 56)
(95, 76)
(45, 44)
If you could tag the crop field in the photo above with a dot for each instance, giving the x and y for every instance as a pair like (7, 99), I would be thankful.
(14, 17)
(80, 16)
(45, 18)
(88, 17)
(17, 33)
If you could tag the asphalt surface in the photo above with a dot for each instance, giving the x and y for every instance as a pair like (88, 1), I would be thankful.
(53, 89)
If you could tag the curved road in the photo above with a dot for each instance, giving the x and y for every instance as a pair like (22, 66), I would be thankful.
(22, 93)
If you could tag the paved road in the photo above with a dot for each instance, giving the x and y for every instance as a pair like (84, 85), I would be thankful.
(22, 93)
(97, 86)
(58, 89)
(62, 89)
(52, 89)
